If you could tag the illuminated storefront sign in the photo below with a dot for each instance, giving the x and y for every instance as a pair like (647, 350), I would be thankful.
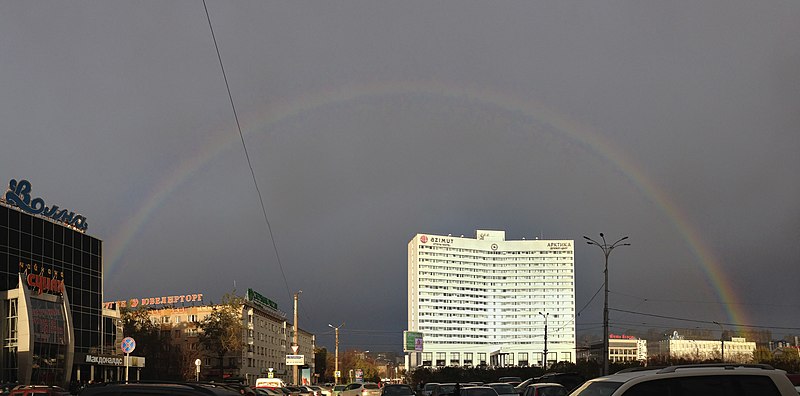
(19, 195)
(621, 337)
(43, 280)
(105, 360)
(135, 302)
(45, 284)
(261, 300)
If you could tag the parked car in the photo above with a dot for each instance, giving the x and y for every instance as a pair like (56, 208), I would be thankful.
(266, 391)
(307, 390)
(320, 391)
(289, 391)
(569, 380)
(514, 381)
(296, 390)
(155, 389)
(444, 389)
(427, 390)
(503, 388)
(337, 389)
(520, 389)
(361, 389)
(477, 391)
(724, 379)
(38, 390)
(397, 390)
(545, 389)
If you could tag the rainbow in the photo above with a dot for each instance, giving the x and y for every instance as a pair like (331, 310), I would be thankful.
(531, 109)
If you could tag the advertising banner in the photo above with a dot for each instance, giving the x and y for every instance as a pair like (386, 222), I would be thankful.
(412, 341)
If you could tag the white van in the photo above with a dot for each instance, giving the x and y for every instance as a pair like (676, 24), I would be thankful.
(270, 383)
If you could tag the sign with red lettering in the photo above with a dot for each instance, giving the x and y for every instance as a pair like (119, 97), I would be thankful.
(49, 325)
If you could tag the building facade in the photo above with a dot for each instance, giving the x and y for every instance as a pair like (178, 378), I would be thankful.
(266, 337)
(735, 350)
(621, 349)
(486, 301)
(50, 291)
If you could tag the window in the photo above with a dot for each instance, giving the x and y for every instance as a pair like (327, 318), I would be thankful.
(707, 385)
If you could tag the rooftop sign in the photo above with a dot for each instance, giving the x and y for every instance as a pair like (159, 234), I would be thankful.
(261, 300)
(19, 195)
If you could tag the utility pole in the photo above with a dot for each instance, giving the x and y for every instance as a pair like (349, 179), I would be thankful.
(295, 339)
(544, 360)
(336, 365)
(722, 342)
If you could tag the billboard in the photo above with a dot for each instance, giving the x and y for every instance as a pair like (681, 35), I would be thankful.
(412, 341)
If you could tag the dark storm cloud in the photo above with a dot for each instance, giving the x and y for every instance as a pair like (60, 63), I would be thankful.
(681, 131)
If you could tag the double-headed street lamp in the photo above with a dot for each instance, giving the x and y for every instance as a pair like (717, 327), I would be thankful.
(606, 248)
(336, 366)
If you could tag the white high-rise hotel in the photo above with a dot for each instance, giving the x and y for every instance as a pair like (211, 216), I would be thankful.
(485, 301)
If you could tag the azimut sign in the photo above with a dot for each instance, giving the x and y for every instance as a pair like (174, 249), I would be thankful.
(19, 195)
(436, 240)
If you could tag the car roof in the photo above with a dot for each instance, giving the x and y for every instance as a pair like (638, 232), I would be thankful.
(688, 370)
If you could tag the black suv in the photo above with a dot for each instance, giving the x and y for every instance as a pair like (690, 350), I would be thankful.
(157, 389)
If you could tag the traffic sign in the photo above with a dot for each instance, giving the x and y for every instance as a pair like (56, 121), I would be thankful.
(337, 374)
(295, 360)
(295, 347)
(128, 345)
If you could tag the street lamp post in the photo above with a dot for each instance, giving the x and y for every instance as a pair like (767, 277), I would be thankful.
(606, 248)
(544, 360)
(296, 339)
(722, 342)
(336, 365)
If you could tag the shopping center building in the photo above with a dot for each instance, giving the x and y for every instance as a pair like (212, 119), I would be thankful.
(488, 301)
(50, 292)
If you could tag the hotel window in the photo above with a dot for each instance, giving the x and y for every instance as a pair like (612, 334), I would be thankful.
(192, 318)
(440, 359)
(427, 358)
(455, 359)
(523, 359)
(482, 358)
(165, 319)
(467, 358)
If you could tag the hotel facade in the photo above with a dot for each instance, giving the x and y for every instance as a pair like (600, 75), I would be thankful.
(488, 301)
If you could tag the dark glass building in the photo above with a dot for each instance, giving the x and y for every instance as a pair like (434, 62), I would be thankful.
(50, 291)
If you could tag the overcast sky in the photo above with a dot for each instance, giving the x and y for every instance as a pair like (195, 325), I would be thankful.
(366, 122)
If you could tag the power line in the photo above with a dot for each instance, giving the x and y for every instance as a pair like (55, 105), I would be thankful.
(244, 145)
(704, 321)
(704, 302)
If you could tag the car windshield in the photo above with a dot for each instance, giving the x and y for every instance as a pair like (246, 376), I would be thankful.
(430, 386)
(339, 387)
(597, 388)
(503, 389)
(371, 386)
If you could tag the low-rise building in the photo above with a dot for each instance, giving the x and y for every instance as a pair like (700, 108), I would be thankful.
(621, 348)
(266, 340)
(737, 349)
